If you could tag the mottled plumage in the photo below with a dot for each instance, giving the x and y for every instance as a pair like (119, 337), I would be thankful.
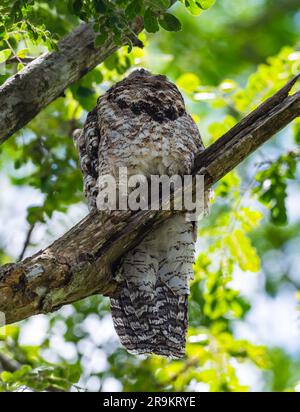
(141, 123)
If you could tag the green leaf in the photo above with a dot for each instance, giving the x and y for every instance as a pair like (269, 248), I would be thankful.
(296, 130)
(161, 4)
(3, 78)
(242, 251)
(20, 66)
(6, 376)
(85, 96)
(4, 55)
(169, 22)
(77, 5)
(111, 62)
(272, 186)
(24, 370)
(134, 9)
(22, 53)
(100, 6)
(188, 82)
(84, 92)
(205, 4)
(100, 39)
(249, 218)
(35, 214)
(3, 33)
(196, 7)
(150, 21)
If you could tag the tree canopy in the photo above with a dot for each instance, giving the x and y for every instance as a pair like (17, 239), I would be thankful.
(226, 57)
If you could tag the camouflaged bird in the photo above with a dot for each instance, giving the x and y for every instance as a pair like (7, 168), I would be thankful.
(141, 123)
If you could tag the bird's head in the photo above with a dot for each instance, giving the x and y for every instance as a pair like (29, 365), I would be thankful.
(139, 73)
(145, 74)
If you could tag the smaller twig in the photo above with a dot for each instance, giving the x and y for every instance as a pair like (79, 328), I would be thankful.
(26, 242)
(13, 52)
(23, 60)
(8, 364)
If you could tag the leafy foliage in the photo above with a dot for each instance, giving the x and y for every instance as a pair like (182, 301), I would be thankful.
(21, 19)
(30, 370)
(272, 185)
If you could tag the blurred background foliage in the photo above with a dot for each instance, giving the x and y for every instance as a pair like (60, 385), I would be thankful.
(244, 325)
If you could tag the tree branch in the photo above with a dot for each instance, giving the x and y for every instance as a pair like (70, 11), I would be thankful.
(43, 80)
(81, 262)
(24, 60)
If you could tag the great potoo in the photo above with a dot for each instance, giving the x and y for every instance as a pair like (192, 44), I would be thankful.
(141, 123)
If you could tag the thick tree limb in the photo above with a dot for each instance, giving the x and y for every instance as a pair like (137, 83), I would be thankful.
(80, 263)
(26, 93)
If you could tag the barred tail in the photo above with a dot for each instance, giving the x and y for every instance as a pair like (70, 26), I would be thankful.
(154, 327)
(150, 314)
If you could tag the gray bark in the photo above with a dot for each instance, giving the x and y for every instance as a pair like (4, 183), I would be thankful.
(82, 261)
(26, 93)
